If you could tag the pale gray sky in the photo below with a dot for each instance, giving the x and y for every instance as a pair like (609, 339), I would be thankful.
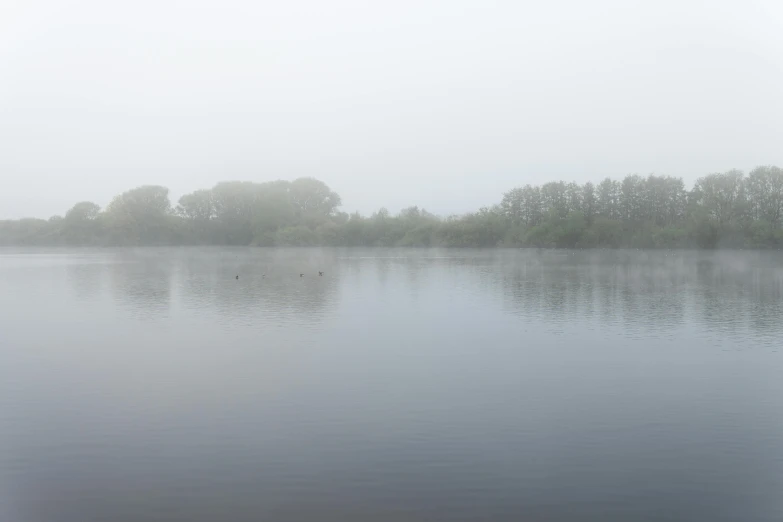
(444, 104)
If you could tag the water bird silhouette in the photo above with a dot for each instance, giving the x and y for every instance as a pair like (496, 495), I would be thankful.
(320, 273)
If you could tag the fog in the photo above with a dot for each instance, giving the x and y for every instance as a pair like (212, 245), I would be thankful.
(445, 105)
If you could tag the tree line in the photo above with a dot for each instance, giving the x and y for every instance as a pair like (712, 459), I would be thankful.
(728, 209)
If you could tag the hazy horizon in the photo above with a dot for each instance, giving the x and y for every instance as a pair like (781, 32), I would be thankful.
(444, 105)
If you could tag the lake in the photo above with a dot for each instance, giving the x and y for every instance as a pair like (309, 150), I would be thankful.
(402, 385)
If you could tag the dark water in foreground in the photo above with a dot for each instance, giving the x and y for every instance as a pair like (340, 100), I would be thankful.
(403, 385)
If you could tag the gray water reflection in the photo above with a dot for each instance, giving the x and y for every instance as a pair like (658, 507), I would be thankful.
(151, 384)
(269, 287)
(141, 283)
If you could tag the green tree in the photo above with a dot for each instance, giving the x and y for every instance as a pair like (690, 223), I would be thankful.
(197, 206)
(721, 210)
(140, 216)
(81, 225)
(312, 198)
(718, 195)
(588, 202)
(765, 192)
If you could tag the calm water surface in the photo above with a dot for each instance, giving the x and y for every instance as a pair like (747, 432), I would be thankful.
(403, 385)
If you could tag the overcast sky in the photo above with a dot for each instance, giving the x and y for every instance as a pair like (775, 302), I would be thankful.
(443, 104)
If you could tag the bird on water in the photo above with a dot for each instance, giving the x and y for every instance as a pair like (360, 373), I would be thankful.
(320, 273)
(237, 278)
(301, 275)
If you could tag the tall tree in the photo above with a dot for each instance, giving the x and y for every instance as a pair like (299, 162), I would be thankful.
(140, 215)
(313, 198)
(588, 202)
(197, 206)
(765, 193)
(553, 198)
(607, 201)
(719, 194)
(80, 225)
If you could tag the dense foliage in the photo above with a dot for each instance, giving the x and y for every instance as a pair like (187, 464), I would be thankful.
(721, 210)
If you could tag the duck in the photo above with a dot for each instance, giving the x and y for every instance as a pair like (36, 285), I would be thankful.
(320, 273)
(237, 278)
(301, 275)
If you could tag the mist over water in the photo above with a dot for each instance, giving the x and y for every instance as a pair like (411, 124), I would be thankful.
(151, 384)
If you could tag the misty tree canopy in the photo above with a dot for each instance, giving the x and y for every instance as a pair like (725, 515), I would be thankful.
(726, 209)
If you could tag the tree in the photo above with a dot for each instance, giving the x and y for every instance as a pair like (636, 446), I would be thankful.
(140, 216)
(147, 200)
(273, 210)
(607, 202)
(718, 194)
(765, 193)
(589, 202)
(513, 205)
(312, 198)
(675, 200)
(235, 204)
(295, 236)
(82, 212)
(631, 202)
(573, 197)
(197, 206)
(722, 209)
(553, 198)
(80, 224)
